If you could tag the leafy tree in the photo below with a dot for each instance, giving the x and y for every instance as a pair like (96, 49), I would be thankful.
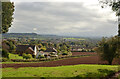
(108, 49)
(7, 15)
(68, 48)
(11, 45)
(5, 53)
(43, 48)
(115, 6)
(64, 47)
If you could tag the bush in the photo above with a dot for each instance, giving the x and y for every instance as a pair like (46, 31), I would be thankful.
(22, 60)
(64, 53)
(24, 56)
(27, 56)
(3, 60)
(41, 56)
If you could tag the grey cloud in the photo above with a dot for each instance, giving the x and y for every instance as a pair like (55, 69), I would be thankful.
(62, 19)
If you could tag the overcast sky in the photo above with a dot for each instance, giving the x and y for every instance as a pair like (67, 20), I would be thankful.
(83, 18)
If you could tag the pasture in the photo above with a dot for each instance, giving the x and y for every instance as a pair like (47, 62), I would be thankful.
(15, 56)
(61, 71)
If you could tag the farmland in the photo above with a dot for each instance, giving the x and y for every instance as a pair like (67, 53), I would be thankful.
(61, 71)
(83, 53)
(85, 66)
(62, 62)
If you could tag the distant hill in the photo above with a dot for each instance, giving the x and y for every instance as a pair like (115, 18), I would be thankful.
(27, 35)
(46, 36)
(19, 35)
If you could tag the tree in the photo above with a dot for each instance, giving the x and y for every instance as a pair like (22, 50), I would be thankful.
(64, 47)
(11, 44)
(115, 6)
(7, 15)
(5, 53)
(108, 49)
(43, 48)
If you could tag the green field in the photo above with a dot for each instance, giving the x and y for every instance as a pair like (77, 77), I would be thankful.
(14, 56)
(119, 76)
(10, 62)
(61, 71)
(75, 38)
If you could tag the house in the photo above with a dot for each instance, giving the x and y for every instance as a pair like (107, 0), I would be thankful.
(29, 49)
(48, 52)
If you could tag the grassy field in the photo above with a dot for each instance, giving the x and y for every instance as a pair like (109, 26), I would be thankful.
(14, 56)
(61, 71)
(119, 77)
(10, 62)
(75, 38)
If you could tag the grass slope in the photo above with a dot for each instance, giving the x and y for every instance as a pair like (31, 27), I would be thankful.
(61, 71)
(15, 56)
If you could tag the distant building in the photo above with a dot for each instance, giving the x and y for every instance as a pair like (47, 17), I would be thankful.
(47, 52)
(28, 49)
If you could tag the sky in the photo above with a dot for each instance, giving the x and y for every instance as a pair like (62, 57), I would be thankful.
(63, 17)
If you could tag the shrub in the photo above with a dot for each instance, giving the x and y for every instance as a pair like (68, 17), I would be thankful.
(41, 56)
(3, 60)
(64, 53)
(27, 56)
(24, 56)
(22, 60)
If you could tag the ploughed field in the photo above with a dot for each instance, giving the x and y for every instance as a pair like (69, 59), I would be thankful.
(83, 53)
(62, 62)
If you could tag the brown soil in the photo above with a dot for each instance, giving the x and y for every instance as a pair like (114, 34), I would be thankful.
(69, 61)
(83, 53)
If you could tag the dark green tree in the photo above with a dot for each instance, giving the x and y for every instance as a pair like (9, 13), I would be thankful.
(11, 45)
(7, 15)
(108, 49)
(5, 53)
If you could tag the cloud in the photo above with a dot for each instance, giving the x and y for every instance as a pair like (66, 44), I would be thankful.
(34, 29)
(63, 18)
